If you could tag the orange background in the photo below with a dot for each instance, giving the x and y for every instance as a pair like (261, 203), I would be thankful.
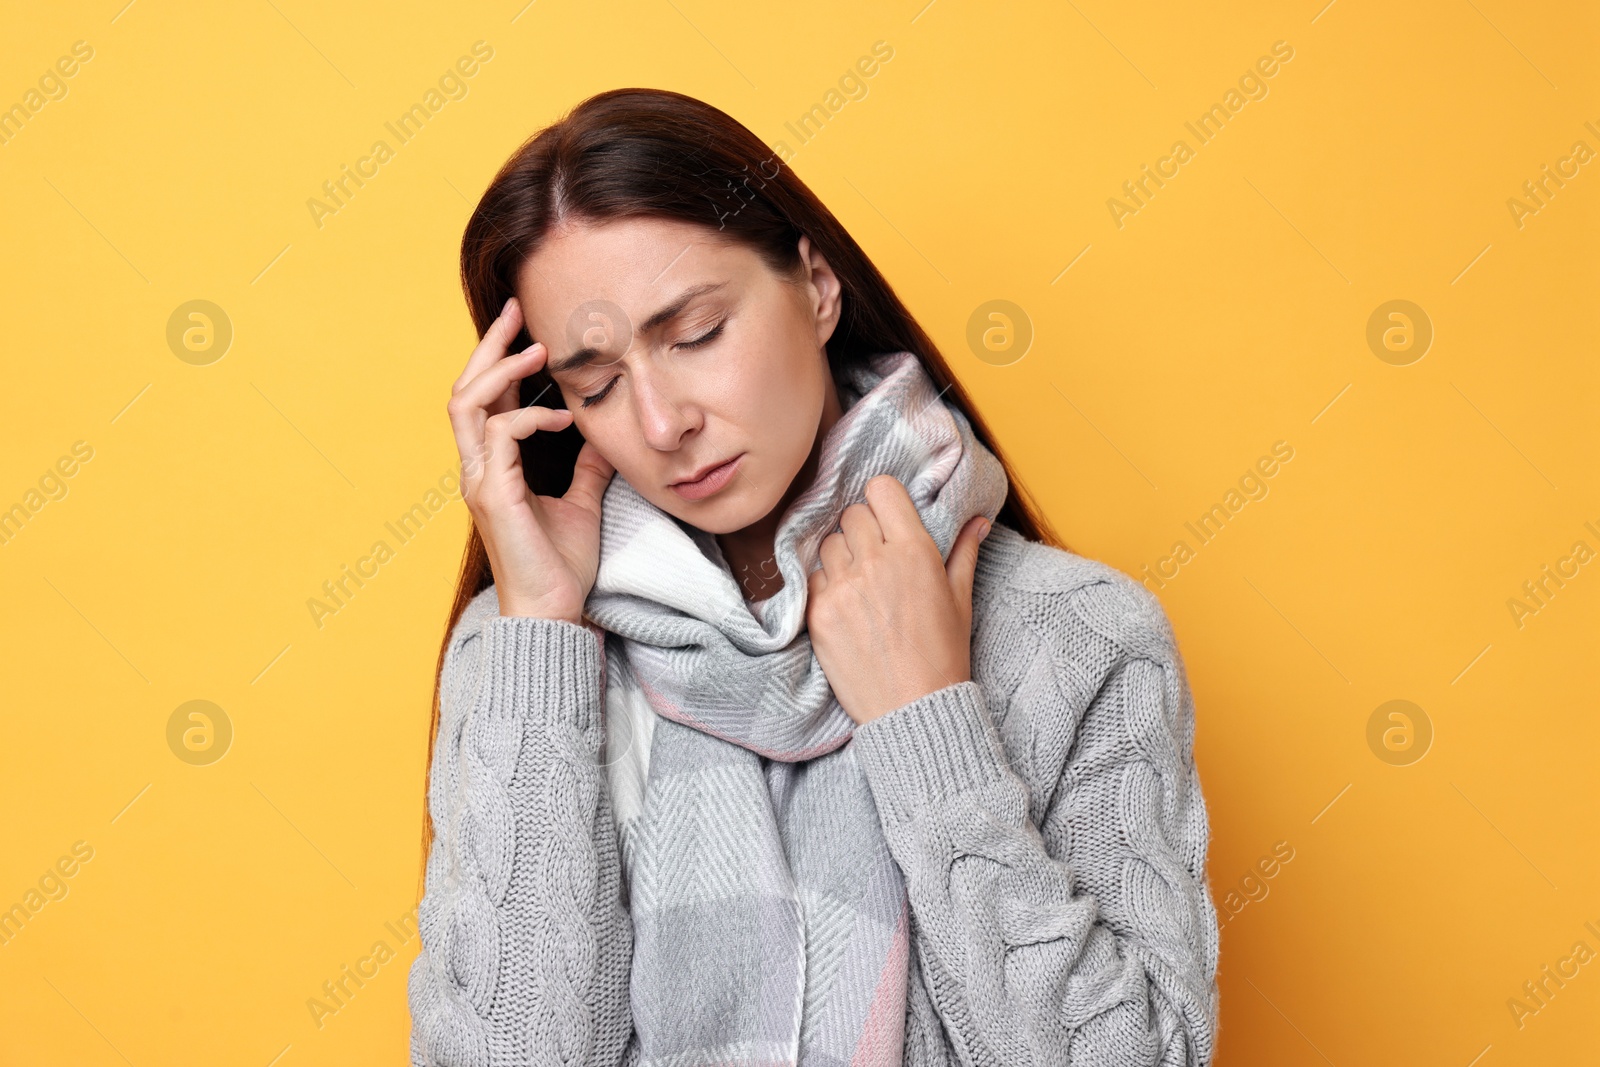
(1228, 313)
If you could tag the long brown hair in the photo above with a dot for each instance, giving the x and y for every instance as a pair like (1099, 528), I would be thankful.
(651, 152)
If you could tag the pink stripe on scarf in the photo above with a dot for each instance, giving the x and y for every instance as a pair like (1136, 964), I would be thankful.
(883, 1032)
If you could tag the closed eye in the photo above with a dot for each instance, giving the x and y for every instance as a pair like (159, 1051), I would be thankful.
(704, 339)
(601, 395)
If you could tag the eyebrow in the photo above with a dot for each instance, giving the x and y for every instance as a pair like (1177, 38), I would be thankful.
(584, 356)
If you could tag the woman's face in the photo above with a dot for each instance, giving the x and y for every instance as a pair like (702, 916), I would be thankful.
(677, 350)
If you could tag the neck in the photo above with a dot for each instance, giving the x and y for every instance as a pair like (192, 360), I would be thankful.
(749, 551)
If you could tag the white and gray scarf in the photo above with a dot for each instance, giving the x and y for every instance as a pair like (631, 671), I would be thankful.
(771, 924)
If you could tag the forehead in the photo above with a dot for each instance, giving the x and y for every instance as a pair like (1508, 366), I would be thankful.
(632, 263)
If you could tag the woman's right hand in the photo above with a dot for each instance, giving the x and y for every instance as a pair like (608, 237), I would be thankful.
(544, 550)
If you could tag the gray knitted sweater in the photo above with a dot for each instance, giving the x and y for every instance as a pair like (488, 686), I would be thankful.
(1047, 816)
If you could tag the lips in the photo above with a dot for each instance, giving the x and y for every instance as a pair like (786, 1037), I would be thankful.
(701, 473)
(711, 479)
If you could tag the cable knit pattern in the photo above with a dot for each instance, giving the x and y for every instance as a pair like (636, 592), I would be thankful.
(526, 944)
(1047, 817)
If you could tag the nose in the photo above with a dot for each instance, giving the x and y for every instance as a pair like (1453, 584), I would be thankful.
(666, 416)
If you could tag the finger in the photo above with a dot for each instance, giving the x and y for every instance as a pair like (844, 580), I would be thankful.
(590, 475)
(835, 553)
(470, 407)
(861, 530)
(502, 432)
(816, 582)
(963, 562)
(499, 377)
(896, 514)
(525, 422)
(495, 342)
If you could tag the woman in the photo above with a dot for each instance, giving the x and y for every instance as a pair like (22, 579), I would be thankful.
(753, 742)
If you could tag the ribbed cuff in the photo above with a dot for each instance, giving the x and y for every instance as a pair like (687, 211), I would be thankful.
(548, 668)
(930, 750)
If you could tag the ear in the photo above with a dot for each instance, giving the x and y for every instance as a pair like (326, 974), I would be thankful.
(824, 291)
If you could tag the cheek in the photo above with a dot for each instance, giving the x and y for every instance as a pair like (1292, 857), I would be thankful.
(609, 438)
(780, 400)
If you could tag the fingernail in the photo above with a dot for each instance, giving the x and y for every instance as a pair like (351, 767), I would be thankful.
(987, 526)
(507, 306)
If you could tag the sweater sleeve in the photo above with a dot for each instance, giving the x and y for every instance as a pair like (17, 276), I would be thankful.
(526, 939)
(1094, 942)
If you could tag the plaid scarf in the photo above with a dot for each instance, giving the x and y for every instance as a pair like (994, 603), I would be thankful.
(771, 924)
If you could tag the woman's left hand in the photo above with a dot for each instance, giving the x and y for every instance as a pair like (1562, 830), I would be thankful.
(890, 620)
